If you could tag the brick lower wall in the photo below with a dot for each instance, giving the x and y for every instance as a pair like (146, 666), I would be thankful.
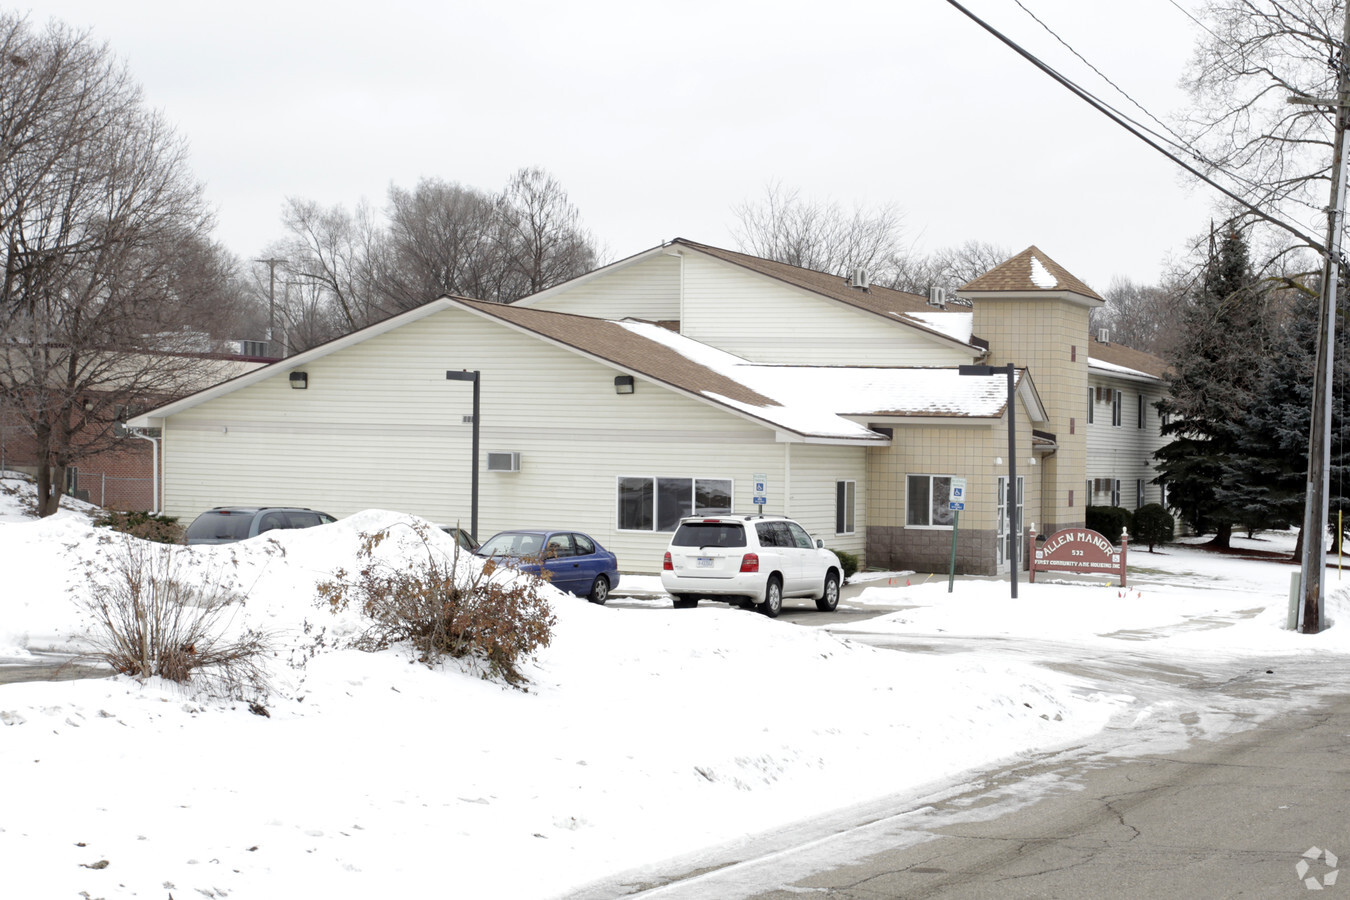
(930, 549)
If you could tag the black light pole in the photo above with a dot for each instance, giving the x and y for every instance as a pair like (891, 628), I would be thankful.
(466, 375)
(1014, 526)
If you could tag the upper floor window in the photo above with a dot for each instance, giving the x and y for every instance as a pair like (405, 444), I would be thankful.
(1117, 407)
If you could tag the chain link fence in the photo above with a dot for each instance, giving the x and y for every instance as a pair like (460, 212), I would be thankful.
(113, 491)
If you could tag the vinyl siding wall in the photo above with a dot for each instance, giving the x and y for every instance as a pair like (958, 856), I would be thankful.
(1124, 452)
(648, 290)
(765, 320)
(381, 427)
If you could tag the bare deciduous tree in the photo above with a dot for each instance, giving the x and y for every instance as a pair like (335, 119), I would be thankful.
(338, 254)
(348, 270)
(542, 241)
(1143, 316)
(821, 235)
(442, 239)
(949, 268)
(96, 202)
(1256, 55)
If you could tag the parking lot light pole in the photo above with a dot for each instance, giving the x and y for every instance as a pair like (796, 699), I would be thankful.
(466, 375)
(1014, 526)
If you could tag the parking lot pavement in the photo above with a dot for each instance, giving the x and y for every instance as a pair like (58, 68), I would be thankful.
(644, 592)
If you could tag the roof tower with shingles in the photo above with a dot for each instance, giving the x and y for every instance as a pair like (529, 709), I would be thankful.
(1028, 272)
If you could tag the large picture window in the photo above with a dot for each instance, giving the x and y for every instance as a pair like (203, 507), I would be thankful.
(926, 499)
(649, 503)
(845, 493)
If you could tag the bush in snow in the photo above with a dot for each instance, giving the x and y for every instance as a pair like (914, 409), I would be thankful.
(1153, 525)
(155, 527)
(444, 606)
(1108, 521)
(153, 617)
(849, 561)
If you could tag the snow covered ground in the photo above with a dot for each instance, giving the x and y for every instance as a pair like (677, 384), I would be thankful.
(645, 733)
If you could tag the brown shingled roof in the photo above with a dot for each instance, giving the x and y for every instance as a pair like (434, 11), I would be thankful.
(1017, 274)
(1120, 355)
(614, 343)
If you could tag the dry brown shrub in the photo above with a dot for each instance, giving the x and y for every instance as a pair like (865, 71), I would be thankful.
(441, 608)
(152, 616)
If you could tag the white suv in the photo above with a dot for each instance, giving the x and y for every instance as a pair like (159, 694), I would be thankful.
(757, 560)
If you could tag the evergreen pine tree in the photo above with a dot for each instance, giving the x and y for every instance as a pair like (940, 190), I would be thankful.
(1216, 366)
(1278, 421)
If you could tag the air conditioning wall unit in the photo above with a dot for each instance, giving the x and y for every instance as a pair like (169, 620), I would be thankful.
(503, 461)
(937, 296)
(860, 279)
(1103, 335)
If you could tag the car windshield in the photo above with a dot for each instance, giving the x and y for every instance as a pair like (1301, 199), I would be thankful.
(220, 526)
(512, 543)
(709, 534)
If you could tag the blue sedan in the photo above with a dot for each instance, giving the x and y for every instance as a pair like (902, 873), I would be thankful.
(576, 562)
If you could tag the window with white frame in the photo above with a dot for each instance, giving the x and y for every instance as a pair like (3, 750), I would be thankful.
(1141, 411)
(926, 501)
(647, 503)
(1115, 488)
(1117, 407)
(1092, 405)
(1138, 493)
(845, 494)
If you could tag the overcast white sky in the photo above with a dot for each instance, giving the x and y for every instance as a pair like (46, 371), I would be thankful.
(657, 119)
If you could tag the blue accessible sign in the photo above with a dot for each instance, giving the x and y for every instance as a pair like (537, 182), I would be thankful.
(957, 498)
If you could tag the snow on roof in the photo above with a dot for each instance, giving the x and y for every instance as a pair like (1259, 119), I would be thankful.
(814, 400)
(1123, 370)
(1040, 275)
(959, 325)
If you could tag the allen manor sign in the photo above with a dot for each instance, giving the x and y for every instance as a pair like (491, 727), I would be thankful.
(1080, 551)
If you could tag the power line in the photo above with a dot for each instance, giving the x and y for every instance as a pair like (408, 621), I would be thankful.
(1187, 13)
(1177, 141)
(1140, 131)
(1037, 19)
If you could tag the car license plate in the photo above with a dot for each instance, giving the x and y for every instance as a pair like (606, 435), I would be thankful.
(705, 562)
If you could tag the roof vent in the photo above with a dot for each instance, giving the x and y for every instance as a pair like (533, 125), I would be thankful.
(1103, 335)
(937, 296)
(859, 279)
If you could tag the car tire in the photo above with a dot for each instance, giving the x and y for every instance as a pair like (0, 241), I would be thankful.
(829, 598)
(685, 601)
(599, 591)
(773, 598)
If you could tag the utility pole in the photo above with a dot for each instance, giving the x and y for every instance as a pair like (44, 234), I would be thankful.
(1313, 562)
(272, 263)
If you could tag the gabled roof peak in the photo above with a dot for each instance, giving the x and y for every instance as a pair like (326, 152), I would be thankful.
(1029, 271)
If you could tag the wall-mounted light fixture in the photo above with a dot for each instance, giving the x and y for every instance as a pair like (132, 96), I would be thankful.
(299, 380)
(623, 384)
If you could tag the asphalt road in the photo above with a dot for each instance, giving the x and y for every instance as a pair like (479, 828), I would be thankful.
(1233, 817)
